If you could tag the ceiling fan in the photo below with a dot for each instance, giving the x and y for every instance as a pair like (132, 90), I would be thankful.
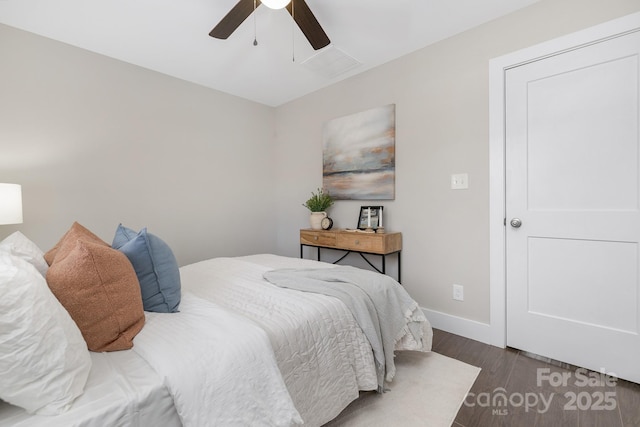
(298, 9)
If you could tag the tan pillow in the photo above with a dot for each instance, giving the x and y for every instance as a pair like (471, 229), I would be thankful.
(99, 288)
(68, 242)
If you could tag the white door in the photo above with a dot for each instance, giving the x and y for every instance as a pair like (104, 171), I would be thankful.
(573, 180)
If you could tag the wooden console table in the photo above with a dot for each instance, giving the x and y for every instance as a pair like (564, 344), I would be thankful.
(354, 241)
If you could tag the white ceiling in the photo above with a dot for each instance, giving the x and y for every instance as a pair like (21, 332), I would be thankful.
(172, 36)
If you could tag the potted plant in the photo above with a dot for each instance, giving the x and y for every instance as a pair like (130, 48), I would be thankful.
(318, 204)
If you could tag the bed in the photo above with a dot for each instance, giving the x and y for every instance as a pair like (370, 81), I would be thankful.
(240, 351)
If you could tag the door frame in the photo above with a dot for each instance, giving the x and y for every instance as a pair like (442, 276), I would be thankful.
(497, 144)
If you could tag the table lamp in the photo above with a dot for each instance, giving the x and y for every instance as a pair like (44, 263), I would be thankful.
(10, 204)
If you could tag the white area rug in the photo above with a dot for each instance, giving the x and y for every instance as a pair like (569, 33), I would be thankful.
(428, 391)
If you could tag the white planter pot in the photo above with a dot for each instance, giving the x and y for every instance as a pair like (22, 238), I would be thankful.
(315, 219)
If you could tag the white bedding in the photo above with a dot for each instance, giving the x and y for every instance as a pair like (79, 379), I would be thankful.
(323, 355)
(217, 366)
(232, 330)
(122, 390)
(185, 369)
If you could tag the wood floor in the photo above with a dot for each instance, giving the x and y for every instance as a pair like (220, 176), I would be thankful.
(515, 389)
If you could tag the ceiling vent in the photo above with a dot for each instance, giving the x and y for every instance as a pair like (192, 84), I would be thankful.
(330, 62)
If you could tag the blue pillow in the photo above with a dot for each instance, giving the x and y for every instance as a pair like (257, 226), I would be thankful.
(155, 266)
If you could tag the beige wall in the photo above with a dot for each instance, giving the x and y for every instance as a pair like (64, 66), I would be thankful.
(442, 117)
(100, 141)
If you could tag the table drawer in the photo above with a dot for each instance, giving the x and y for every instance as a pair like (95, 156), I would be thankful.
(361, 242)
(318, 238)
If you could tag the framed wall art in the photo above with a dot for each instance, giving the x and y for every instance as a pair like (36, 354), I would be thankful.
(359, 155)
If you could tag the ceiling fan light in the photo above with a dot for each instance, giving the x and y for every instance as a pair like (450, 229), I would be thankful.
(275, 4)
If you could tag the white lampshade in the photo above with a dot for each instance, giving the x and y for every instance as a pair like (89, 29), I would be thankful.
(10, 204)
(275, 4)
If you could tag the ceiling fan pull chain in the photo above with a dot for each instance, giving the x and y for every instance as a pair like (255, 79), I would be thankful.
(255, 36)
(293, 27)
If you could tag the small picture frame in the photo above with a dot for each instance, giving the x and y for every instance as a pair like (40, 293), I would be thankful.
(370, 217)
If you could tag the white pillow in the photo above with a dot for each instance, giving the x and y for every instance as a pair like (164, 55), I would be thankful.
(44, 361)
(19, 245)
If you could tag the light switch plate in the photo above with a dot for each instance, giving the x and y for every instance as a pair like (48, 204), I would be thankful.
(459, 181)
(458, 292)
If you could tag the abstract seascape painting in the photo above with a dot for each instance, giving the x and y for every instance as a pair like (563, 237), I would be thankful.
(359, 155)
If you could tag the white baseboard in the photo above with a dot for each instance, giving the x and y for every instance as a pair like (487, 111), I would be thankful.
(460, 326)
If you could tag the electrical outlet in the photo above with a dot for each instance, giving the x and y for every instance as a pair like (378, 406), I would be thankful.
(459, 181)
(458, 292)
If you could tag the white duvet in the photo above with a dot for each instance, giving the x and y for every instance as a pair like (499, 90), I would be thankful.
(322, 353)
(217, 366)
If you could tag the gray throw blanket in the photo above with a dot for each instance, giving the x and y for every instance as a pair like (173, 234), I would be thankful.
(381, 306)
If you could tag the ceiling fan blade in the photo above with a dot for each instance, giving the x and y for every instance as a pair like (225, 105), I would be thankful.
(233, 19)
(308, 24)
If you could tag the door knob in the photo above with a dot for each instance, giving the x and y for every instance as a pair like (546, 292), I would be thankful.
(516, 222)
